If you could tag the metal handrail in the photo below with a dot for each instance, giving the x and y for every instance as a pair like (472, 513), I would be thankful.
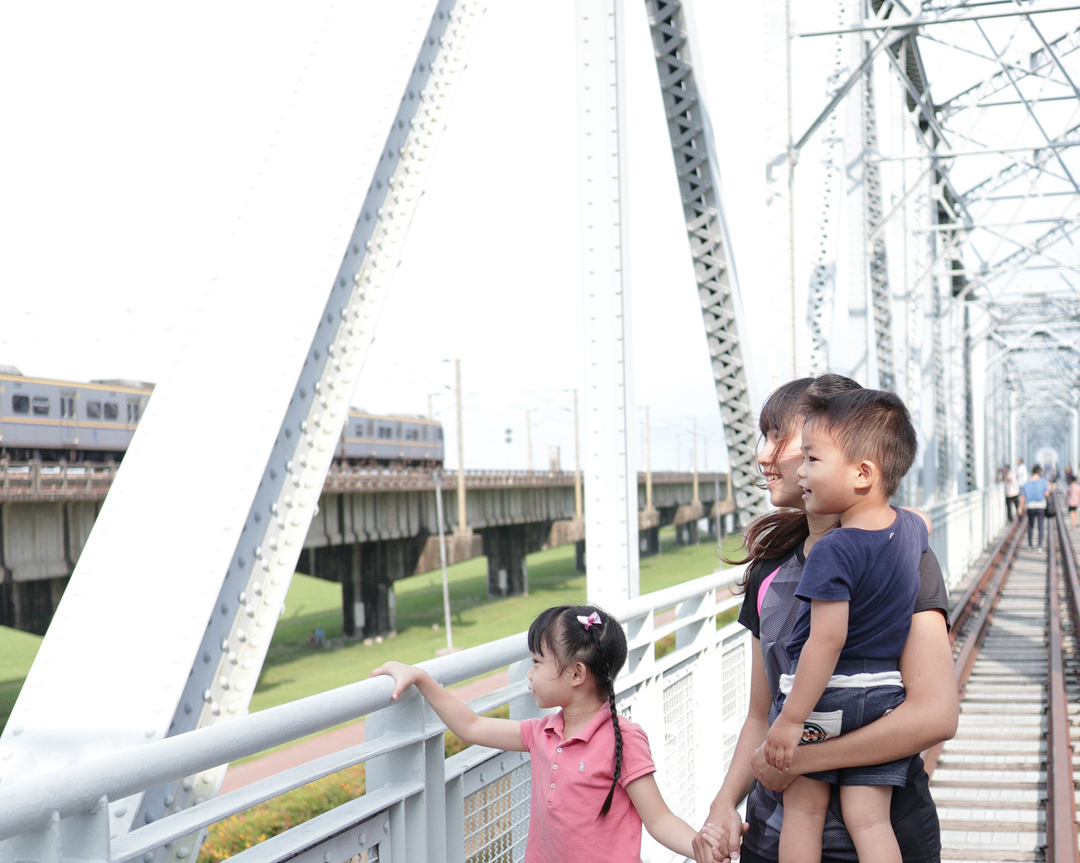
(29, 803)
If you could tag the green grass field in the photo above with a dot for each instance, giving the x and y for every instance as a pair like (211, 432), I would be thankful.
(293, 669)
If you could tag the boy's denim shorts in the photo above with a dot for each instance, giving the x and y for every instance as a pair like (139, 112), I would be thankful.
(841, 710)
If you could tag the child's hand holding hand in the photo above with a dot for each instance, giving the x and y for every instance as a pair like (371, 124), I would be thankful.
(780, 742)
(404, 675)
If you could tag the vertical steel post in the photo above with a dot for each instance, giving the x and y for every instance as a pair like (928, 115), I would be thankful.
(611, 519)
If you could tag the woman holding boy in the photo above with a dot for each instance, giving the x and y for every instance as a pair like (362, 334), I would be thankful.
(777, 545)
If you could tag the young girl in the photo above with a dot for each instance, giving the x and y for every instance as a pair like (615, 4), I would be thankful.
(592, 772)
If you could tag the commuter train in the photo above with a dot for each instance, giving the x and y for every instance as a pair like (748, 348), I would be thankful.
(64, 421)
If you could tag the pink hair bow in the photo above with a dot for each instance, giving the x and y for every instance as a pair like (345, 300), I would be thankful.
(593, 618)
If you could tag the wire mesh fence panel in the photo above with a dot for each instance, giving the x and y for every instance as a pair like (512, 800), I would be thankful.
(679, 746)
(497, 819)
(735, 687)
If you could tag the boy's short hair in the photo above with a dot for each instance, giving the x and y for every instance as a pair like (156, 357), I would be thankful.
(868, 424)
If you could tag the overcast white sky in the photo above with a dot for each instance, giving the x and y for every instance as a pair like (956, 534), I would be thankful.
(133, 134)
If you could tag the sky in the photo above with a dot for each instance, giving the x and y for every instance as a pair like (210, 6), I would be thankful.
(134, 139)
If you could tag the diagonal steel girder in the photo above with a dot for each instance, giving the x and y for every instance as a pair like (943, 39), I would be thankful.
(694, 151)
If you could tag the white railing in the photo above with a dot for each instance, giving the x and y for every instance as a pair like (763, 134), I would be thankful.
(964, 527)
(419, 806)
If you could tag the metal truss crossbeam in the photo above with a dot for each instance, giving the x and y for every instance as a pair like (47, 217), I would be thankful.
(695, 164)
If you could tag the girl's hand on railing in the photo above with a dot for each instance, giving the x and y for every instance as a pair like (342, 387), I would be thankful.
(404, 675)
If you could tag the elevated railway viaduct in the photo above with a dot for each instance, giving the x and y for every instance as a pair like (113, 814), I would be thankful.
(372, 527)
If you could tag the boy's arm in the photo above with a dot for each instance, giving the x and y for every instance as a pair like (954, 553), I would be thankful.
(927, 716)
(663, 825)
(924, 516)
(458, 717)
(828, 632)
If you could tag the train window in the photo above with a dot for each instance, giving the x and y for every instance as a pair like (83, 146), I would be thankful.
(438, 433)
(93, 410)
(20, 404)
(41, 406)
(397, 431)
(133, 412)
(112, 412)
(412, 434)
(359, 429)
(67, 407)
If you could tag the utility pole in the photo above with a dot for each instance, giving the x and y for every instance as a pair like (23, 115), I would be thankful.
(693, 451)
(528, 436)
(462, 525)
(648, 464)
(578, 512)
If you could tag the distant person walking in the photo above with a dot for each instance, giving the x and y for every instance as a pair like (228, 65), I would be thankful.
(1072, 500)
(1021, 472)
(1036, 491)
(1012, 493)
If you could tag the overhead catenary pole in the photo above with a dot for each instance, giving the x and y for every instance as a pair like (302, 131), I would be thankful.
(578, 510)
(528, 436)
(648, 463)
(437, 476)
(693, 451)
(462, 523)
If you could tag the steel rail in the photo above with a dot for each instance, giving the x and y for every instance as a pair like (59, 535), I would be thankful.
(977, 604)
(970, 599)
(1061, 836)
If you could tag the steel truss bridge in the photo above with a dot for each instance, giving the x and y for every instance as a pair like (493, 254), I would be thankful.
(910, 220)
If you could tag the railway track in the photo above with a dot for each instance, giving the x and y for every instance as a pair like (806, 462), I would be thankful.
(1004, 785)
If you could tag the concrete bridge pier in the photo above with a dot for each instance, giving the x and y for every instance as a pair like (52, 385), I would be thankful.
(366, 572)
(506, 547)
(39, 545)
(687, 533)
(650, 541)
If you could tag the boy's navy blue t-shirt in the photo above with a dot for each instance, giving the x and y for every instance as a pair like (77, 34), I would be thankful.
(877, 572)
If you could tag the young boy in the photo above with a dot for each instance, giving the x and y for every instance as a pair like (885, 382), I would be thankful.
(859, 587)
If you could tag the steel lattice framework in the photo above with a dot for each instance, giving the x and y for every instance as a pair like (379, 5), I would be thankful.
(690, 130)
(964, 188)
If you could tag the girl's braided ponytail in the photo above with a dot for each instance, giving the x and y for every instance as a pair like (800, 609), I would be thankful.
(618, 749)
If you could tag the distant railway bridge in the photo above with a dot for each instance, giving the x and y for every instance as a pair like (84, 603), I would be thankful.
(373, 527)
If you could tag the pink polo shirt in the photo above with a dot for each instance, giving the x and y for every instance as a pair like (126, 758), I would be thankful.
(570, 780)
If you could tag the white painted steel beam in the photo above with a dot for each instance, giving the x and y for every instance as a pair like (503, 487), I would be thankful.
(169, 614)
(696, 166)
(611, 524)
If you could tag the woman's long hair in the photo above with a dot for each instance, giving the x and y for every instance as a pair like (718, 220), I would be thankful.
(776, 533)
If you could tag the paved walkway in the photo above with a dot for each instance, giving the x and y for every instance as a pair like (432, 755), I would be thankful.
(335, 740)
